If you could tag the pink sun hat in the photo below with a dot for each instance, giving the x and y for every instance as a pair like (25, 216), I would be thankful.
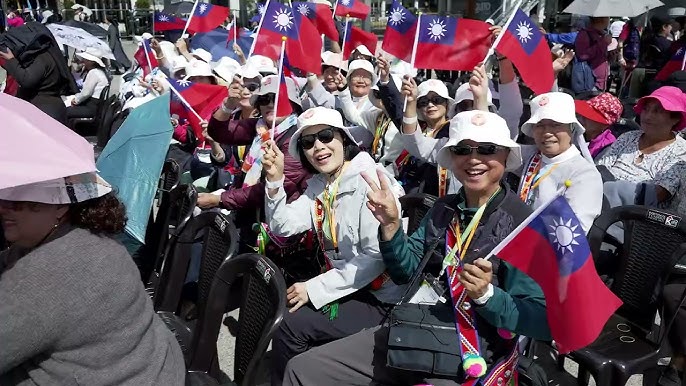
(671, 98)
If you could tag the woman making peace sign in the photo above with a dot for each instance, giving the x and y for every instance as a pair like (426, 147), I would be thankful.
(354, 291)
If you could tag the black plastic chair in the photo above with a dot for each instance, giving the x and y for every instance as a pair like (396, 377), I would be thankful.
(415, 206)
(654, 242)
(219, 243)
(76, 123)
(262, 308)
(178, 209)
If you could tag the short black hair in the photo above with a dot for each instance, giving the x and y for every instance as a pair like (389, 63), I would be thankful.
(350, 151)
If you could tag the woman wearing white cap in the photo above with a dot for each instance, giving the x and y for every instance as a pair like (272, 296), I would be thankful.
(356, 86)
(85, 103)
(72, 305)
(354, 292)
(505, 302)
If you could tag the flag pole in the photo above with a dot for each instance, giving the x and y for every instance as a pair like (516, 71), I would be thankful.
(527, 221)
(413, 57)
(183, 100)
(259, 27)
(334, 9)
(188, 22)
(345, 37)
(491, 50)
(683, 61)
(276, 97)
(146, 44)
(235, 28)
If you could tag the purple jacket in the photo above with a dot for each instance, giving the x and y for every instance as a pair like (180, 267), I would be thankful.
(590, 46)
(242, 132)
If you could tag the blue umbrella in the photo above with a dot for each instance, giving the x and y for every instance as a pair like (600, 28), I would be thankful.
(215, 43)
(133, 158)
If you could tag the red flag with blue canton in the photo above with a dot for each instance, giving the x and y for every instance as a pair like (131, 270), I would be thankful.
(400, 31)
(303, 43)
(203, 98)
(676, 63)
(149, 62)
(320, 15)
(207, 17)
(451, 43)
(358, 37)
(353, 8)
(528, 50)
(164, 22)
(551, 247)
(283, 108)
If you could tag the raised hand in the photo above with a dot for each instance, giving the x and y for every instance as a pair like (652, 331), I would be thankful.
(478, 84)
(563, 61)
(409, 88)
(381, 202)
(272, 161)
(384, 69)
(204, 125)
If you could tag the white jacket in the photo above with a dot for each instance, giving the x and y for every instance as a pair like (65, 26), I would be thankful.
(359, 260)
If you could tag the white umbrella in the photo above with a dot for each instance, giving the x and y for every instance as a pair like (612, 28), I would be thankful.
(609, 8)
(86, 10)
(79, 39)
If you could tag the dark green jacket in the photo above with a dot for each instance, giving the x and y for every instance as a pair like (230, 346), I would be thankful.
(518, 304)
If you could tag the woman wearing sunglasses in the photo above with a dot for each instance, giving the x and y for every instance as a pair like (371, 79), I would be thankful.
(247, 192)
(354, 292)
(501, 298)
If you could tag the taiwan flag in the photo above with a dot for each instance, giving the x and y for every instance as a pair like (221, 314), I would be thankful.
(207, 17)
(358, 37)
(320, 15)
(400, 31)
(204, 99)
(283, 107)
(527, 48)
(164, 22)
(353, 8)
(676, 63)
(451, 43)
(551, 247)
(145, 56)
(303, 42)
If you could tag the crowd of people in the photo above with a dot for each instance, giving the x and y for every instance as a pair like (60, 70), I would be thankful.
(365, 132)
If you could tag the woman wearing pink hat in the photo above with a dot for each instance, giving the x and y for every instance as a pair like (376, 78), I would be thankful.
(650, 154)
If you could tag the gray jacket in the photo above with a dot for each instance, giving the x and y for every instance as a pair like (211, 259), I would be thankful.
(74, 312)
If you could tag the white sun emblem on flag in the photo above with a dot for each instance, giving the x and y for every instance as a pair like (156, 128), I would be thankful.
(397, 16)
(261, 9)
(203, 8)
(679, 52)
(163, 18)
(183, 83)
(303, 9)
(283, 20)
(436, 29)
(565, 234)
(345, 2)
(524, 32)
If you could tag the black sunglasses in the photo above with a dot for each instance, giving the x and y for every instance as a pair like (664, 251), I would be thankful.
(484, 149)
(252, 86)
(324, 136)
(435, 100)
(264, 100)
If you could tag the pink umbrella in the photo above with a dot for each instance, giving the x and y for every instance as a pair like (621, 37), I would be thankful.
(35, 147)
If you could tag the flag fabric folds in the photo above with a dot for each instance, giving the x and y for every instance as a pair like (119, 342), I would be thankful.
(358, 37)
(451, 43)
(676, 63)
(400, 32)
(283, 107)
(219, 42)
(207, 17)
(164, 22)
(202, 98)
(527, 48)
(147, 62)
(353, 8)
(551, 247)
(320, 15)
(303, 42)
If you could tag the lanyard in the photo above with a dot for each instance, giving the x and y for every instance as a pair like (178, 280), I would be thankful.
(382, 123)
(462, 240)
(533, 177)
(326, 208)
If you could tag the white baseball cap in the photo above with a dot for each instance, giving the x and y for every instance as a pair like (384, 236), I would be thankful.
(198, 68)
(329, 117)
(556, 106)
(226, 68)
(363, 50)
(262, 64)
(333, 59)
(179, 63)
(270, 85)
(482, 127)
(438, 87)
(202, 54)
(361, 64)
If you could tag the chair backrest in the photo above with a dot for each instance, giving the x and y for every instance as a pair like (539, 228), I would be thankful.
(179, 210)
(111, 109)
(647, 257)
(415, 206)
(262, 308)
(220, 241)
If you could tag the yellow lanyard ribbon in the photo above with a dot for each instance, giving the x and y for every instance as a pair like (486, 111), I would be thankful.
(329, 196)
